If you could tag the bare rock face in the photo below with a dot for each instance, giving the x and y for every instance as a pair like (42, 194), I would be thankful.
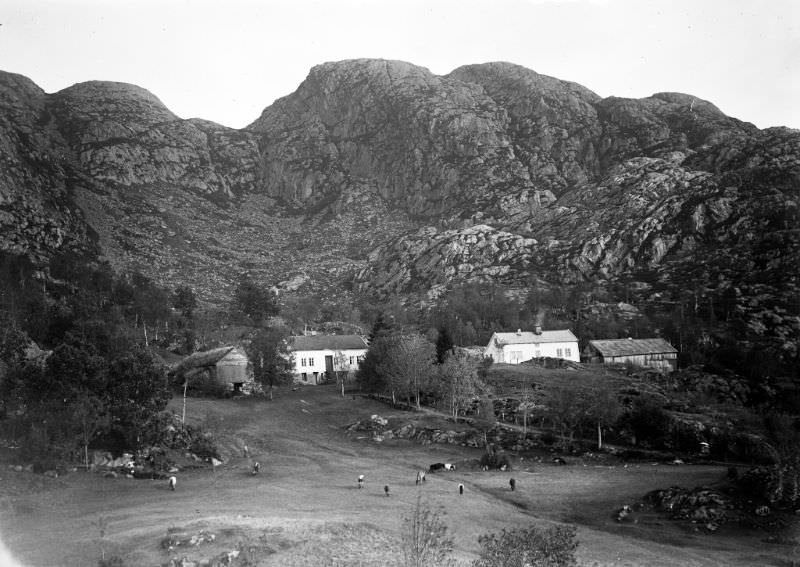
(37, 214)
(553, 124)
(123, 134)
(432, 146)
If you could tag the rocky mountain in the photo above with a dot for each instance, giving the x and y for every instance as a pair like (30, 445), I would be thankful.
(384, 177)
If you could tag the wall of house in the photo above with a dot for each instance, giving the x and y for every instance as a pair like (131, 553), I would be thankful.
(667, 360)
(309, 365)
(232, 368)
(515, 354)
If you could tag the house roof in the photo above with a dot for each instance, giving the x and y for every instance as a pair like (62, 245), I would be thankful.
(327, 342)
(631, 347)
(529, 337)
(205, 358)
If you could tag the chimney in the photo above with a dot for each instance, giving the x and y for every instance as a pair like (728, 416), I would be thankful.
(537, 330)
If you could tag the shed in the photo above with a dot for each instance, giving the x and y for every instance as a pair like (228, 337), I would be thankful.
(227, 366)
(655, 353)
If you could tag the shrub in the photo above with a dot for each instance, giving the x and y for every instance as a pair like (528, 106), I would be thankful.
(529, 547)
(495, 461)
(111, 561)
(425, 541)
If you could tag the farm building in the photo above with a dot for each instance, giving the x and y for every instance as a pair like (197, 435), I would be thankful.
(227, 366)
(656, 353)
(317, 357)
(514, 348)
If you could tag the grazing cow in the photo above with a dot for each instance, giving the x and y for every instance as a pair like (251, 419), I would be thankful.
(436, 467)
(559, 461)
(256, 468)
(449, 467)
(386, 490)
(513, 484)
(361, 481)
(172, 482)
(460, 488)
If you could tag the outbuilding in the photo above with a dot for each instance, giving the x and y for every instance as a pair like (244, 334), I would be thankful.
(227, 366)
(653, 353)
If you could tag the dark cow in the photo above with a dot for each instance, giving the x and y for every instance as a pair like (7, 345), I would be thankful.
(436, 467)
(460, 488)
(386, 489)
(513, 484)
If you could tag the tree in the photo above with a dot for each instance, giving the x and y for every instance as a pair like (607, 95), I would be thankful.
(407, 365)
(137, 394)
(254, 301)
(184, 300)
(425, 541)
(459, 383)
(529, 547)
(341, 365)
(272, 361)
(444, 345)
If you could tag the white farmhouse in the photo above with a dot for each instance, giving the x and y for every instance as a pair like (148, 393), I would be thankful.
(318, 357)
(513, 348)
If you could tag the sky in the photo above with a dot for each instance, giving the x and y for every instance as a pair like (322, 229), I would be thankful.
(226, 60)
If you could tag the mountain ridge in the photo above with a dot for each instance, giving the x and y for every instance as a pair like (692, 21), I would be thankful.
(381, 176)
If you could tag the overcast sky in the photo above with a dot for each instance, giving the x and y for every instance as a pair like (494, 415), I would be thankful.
(226, 60)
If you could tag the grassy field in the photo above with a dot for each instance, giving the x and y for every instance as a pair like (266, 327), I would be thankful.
(305, 507)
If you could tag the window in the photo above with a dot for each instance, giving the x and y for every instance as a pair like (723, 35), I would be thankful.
(567, 352)
(302, 362)
(559, 352)
(516, 356)
(311, 362)
(351, 360)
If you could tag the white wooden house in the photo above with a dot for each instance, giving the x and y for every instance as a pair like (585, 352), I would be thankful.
(514, 348)
(654, 353)
(318, 357)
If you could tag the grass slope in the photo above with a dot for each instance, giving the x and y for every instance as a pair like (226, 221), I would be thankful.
(305, 507)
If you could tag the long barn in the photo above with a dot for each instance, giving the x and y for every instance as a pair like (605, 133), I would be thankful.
(655, 353)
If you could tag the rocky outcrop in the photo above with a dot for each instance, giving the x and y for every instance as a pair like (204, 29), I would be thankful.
(432, 146)
(37, 215)
(122, 134)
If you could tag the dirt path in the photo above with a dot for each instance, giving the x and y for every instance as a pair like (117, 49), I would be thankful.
(305, 508)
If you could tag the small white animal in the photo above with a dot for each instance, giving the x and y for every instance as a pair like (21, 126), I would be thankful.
(172, 482)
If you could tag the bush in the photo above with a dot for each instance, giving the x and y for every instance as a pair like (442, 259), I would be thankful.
(495, 461)
(531, 547)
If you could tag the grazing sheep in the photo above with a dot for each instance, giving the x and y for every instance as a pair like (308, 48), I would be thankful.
(361, 481)
(449, 467)
(513, 484)
(256, 468)
(386, 490)
(559, 461)
(172, 482)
